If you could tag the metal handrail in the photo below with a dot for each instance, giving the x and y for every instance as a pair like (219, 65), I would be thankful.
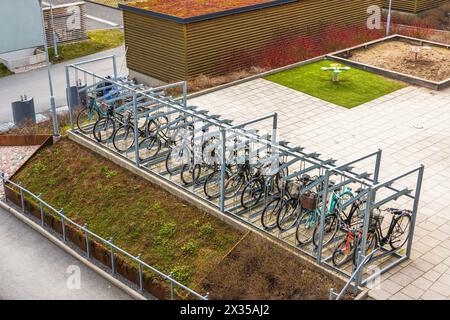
(109, 243)
(352, 277)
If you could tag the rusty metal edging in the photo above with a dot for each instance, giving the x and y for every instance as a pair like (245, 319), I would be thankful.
(47, 140)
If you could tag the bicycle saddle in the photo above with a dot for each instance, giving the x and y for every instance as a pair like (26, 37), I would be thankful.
(359, 190)
(306, 178)
(395, 211)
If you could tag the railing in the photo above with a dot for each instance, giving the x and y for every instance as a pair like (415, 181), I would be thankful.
(354, 277)
(109, 243)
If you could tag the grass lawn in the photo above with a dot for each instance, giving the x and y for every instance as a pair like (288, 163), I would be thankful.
(171, 234)
(98, 40)
(354, 88)
(4, 71)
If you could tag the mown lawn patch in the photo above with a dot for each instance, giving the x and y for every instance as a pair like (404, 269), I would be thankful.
(98, 40)
(354, 88)
(169, 233)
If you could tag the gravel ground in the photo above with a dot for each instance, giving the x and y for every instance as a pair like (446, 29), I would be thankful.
(12, 158)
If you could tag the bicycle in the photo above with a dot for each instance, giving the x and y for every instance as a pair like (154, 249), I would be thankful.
(398, 232)
(308, 226)
(285, 208)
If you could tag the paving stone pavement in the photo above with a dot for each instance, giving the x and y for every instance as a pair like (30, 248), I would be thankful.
(411, 125)
(12, 158)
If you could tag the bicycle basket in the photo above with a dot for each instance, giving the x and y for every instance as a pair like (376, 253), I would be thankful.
(309, 201)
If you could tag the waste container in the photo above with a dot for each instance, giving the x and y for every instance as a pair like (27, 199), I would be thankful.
(78, 99)
(23, 110)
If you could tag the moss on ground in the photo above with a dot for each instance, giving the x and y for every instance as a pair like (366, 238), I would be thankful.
(141, 217)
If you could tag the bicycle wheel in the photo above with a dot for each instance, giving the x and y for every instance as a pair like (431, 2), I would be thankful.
(190, 173)
(372, 244)
(270, 213)
(211, 187)
(400, 232)
(233, 185)
(305, 227)
(344, 252)
(288, 218)
(123, 139)
(176, 158)
(104, 129)
(252, 193)
(329, 230)
(85, 117)
(149, 148)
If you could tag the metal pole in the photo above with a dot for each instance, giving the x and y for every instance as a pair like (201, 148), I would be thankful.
(222, 170)
(366, 225)
(52, 97)
(323, 213)
(113, 267)
(69, 97)
(171, 286)
(136, 131)
(55, 45)
(3, 184)
(140, 272)
(22, 198)
(274, 128)
(63, 225)
(114, 67)
(41, 206)
(86, 238)
(388, 22)
(376, 175)
(185, 92)
(414, 211)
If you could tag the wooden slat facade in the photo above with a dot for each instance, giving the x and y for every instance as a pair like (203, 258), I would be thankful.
(415, 6)
(168, 50)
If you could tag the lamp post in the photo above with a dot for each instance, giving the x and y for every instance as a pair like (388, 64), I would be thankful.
(52, 97)
(55, 45)
(388, 22)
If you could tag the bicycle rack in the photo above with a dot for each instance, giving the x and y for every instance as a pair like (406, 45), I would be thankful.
(240, 144)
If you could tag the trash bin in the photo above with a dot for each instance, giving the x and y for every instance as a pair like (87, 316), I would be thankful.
(23, 110)
(78, 99)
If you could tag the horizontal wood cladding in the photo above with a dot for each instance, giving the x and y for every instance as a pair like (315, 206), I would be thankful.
(209, 42)
(414, 5)
(428, 4)
(167, 50)
(155, 47)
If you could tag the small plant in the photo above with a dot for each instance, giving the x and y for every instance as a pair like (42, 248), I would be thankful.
(182, 273)
(167, 229)
(39, 167)
(190, 248)
(109, 173)
(206, 229)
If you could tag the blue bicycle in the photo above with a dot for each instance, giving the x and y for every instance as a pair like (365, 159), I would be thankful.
(308, 227)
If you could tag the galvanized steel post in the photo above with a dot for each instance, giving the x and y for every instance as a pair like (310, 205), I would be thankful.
(41, 207)
(324, 212)
(414, 210)
(223, 135)
(113, 267)
(63, 224)
(86, 240)
(136, 130)
(141, 286)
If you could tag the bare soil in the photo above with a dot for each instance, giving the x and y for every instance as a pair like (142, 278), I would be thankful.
(258, 269)
(431, 64)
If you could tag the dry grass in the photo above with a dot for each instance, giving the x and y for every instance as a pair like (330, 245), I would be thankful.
(258, 270)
